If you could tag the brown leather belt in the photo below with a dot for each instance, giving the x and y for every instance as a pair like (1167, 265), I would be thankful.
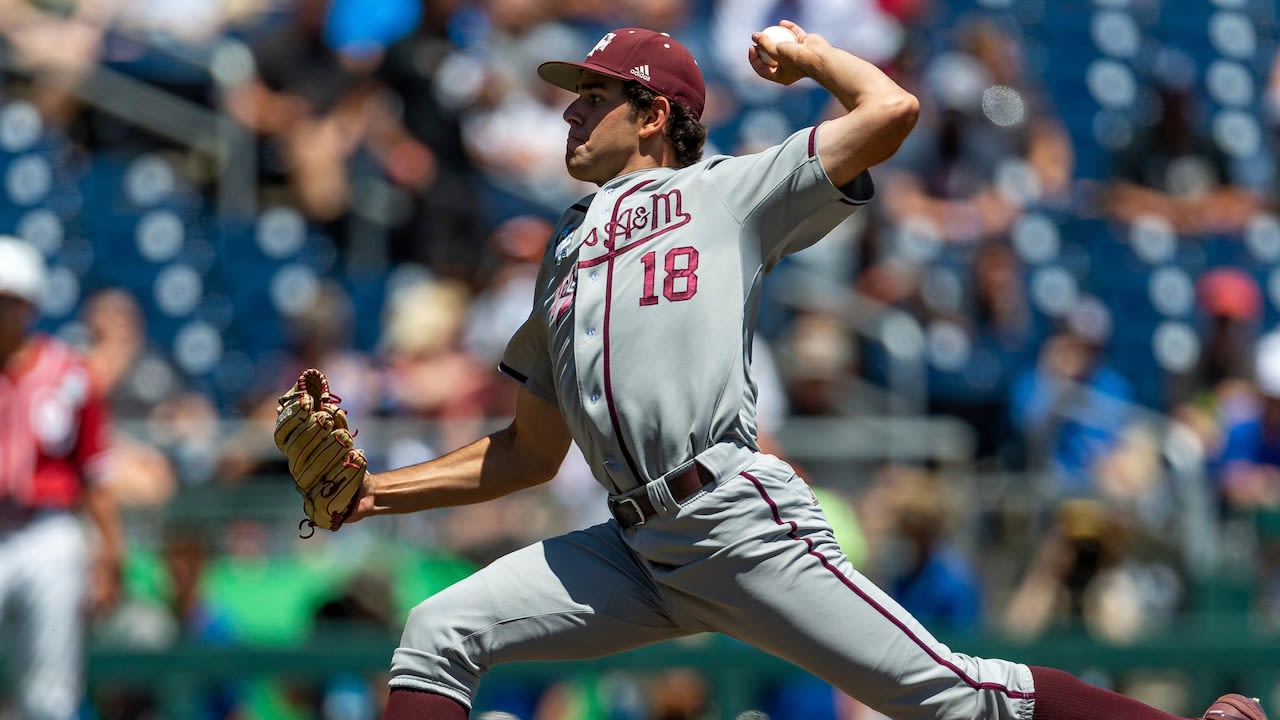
(633, 510)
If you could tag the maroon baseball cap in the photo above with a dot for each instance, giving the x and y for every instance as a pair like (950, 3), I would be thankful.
(653, 59)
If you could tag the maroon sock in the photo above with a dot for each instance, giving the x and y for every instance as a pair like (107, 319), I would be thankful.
(405, 704)
(1062, 696)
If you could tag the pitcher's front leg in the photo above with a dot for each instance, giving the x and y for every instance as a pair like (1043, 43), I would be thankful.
(577, 596)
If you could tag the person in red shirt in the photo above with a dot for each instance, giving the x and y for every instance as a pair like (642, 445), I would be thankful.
(54, 447)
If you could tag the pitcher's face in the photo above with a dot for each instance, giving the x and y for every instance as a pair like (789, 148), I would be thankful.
(604, 132)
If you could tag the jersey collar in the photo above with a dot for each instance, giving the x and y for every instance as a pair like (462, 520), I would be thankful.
(633, 175)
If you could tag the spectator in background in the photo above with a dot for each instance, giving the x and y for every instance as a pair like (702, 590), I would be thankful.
(518, 33)
(431, 378)
(1015, 101)
(516, 132)
(193, 23)
(933, 580)
(363, 605)
(502, 304)
(55, 451)
(1248, 468)
(1003, 338)
(321, 337)
(1093, 571)
(1231, 302)
(1083, 542)
(136, 376)
(1174, 168)
(1218, 390)
(303, 102)
(323, 124)
(816, 362)
(177, 610)
(1071, 407)
(988, 142)
(172, 435)
(135, 379)
(186, 427)
(436, 84)
(1003, 321)
(426, 372)
(39, 41)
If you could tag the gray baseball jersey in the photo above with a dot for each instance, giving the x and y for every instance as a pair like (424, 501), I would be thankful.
(640, 334)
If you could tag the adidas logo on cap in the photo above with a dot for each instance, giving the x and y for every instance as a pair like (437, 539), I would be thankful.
(642, 72)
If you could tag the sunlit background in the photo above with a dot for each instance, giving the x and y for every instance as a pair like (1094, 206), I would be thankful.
(1026, 382)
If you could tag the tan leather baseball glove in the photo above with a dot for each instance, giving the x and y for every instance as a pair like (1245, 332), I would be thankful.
(327, 468)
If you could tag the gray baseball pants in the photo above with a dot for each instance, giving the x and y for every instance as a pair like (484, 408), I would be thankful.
(751, 556)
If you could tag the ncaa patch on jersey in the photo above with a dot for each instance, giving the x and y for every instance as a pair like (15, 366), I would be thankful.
(563, 243)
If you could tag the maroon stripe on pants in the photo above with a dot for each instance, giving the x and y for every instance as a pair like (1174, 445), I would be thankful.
(884, 612)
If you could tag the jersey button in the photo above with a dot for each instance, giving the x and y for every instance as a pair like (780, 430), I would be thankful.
(591, 332)
(595, 276)
(595, 397)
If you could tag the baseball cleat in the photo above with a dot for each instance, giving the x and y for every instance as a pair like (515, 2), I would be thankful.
(1234, 706)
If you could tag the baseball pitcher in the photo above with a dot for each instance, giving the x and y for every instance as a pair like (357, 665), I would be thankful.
(637, 348)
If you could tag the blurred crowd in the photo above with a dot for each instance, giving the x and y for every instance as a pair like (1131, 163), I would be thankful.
(1076, 255)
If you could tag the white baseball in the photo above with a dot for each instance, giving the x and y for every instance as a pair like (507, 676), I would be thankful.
(778, 35)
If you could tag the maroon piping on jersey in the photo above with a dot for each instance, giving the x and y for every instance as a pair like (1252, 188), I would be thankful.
(608, 304)
(884, 612)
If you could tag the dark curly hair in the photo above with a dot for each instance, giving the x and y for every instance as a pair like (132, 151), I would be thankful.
(686, 133)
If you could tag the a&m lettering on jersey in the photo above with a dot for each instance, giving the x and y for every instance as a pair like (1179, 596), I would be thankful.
(660, 213)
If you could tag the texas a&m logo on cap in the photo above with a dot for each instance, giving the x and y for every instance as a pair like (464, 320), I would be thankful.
(604, 43)
(653, 59)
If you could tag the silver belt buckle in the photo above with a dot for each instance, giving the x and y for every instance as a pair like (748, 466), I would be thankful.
(634, 506)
